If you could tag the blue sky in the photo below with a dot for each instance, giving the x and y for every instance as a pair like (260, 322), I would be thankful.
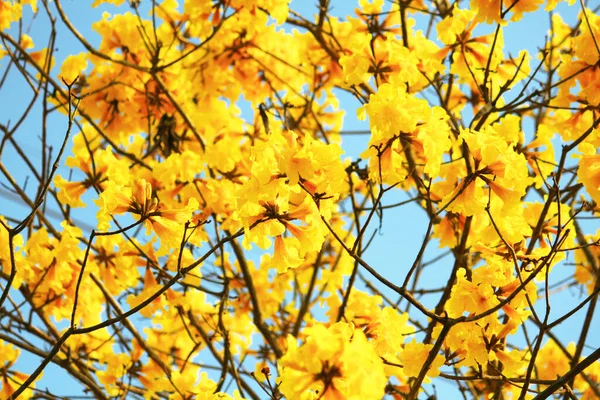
(403, 228)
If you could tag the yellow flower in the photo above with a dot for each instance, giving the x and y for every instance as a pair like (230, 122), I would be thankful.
(10, 11)
(470, 297)
(70, 193)
(105, 165)
(362, 308)
(11, 380)
(334, 363)
(389, 331)
(116, 199)
(285, 254)
(413, 358)
(73, 66)
(116, 3)
(589, 175)
(551, 361)
(489, 10)
(150, 287)
(391, 111)
(497, 165)
(116, 368)
(452, 28)
(585, 273)
(141, 202)
(513, 361)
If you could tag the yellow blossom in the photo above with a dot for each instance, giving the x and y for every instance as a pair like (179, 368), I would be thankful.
(334, 363)
(413, 359)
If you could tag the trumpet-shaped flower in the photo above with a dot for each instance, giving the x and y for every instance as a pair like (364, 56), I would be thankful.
(589, 175)
(142, 204)
(334, 363)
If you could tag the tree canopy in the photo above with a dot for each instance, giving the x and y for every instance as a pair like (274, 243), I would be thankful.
(188, 222)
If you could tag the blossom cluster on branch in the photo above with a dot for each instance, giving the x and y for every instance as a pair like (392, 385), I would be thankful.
(227, 254)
